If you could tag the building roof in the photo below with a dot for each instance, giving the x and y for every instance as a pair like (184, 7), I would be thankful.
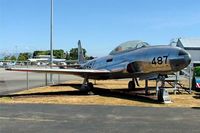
(190, 42)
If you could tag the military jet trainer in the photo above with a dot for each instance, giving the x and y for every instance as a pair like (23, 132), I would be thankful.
(132, 59)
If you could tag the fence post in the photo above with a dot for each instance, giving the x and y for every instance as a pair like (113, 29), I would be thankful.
(27, 77)
(46, 81)
(58, 78)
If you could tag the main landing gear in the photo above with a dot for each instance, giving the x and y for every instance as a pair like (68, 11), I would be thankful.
(131, 84)
(86, 86)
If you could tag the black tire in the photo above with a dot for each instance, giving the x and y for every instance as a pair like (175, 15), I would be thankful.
(85, 88)
(90, 85)
(131, 85)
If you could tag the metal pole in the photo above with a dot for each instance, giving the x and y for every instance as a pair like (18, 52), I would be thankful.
(58, 78)
(51, 41)
(190, 79)
(146, 87)
(46, 81)
(27, 78)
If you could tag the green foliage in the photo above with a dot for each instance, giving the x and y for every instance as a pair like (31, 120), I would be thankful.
(6, 58)
(197, 71)
(36, 53)
(73, 53)
(10, 58)
(13, 58)
(24, 56)
(59, 54)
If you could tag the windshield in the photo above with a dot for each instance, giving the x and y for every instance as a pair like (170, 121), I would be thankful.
(128, 46)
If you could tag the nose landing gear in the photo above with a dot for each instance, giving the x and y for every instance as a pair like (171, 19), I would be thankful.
(161, 92)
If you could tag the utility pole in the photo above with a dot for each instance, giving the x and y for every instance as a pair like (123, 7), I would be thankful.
(51, 41)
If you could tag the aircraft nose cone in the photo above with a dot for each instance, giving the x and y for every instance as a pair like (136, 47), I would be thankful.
(181, 61)
(187, 57)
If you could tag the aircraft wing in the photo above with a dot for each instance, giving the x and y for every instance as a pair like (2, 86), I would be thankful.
(78, 72)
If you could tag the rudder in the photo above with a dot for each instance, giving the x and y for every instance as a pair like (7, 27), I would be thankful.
(81, 58)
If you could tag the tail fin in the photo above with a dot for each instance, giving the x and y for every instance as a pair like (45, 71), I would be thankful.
(81, 58)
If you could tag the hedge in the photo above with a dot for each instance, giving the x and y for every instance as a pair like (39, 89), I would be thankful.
(197, 71)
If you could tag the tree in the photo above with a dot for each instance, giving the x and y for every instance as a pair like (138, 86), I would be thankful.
(36, 53)
(197, 71)
(73, 53)
(24, 56)
(13, 58)
(59, 54)
(7, 58)
(10, 58)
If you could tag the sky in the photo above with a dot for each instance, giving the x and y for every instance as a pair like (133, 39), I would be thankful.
(101, 25)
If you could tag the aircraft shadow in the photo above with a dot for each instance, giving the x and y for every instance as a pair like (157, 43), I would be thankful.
(197, 95)
(123, 93)
(196, 108)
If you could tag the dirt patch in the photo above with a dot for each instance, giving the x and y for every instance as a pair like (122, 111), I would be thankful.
(108, 92)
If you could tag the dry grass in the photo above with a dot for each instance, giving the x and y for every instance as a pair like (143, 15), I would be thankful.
(109, 94)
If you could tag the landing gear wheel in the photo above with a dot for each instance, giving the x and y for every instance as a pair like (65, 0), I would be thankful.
(131, 85)
(85, 88)
(90, 85)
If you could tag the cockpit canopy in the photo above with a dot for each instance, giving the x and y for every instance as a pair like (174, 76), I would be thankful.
(129, 46)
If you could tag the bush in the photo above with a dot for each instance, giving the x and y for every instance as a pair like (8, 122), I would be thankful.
(197, 71)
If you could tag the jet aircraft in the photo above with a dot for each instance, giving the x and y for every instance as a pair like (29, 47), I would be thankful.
(132, 59)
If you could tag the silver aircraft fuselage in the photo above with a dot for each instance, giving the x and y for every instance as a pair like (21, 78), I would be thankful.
(140, 62)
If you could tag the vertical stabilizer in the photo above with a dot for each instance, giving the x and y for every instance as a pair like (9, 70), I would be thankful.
(81, 58)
